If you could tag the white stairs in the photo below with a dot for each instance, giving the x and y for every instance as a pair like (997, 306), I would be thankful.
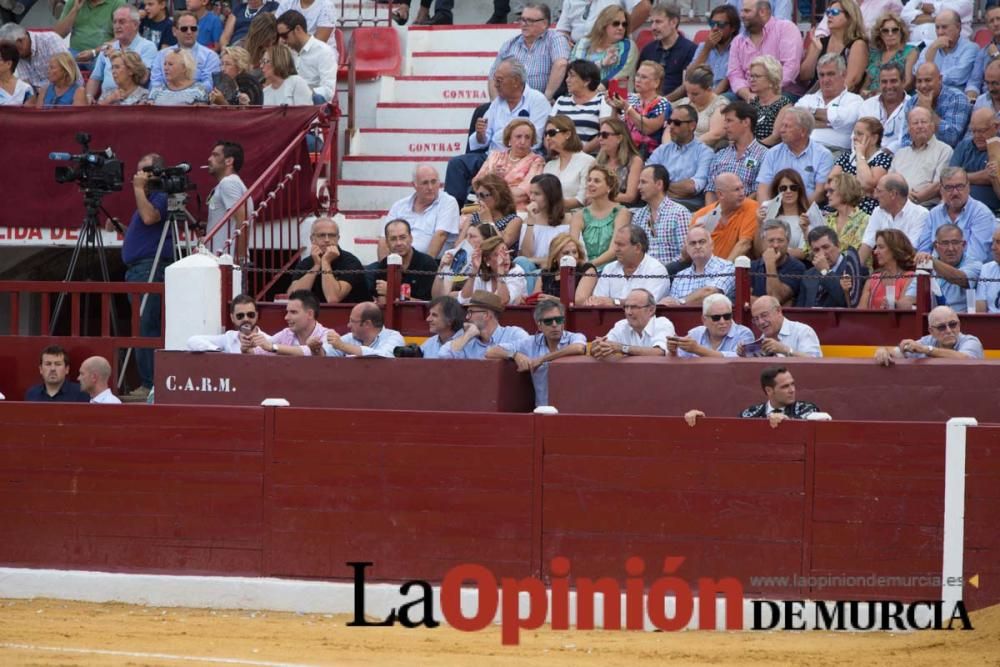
(419, 117)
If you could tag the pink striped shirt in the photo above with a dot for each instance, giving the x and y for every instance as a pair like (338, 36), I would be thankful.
(782, 40)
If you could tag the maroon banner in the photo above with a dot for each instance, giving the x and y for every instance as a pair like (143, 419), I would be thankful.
(179, 134)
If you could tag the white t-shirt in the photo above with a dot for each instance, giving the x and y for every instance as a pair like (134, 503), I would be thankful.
(223, 197)
(22, 92)
(294, 91)
(543, 237)
(650, 275)
(516, 283)
(654, 334)
(320, 14)
(574, 177)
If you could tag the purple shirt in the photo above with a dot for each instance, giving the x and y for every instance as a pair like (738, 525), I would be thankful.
(782, 40)
(287, 337)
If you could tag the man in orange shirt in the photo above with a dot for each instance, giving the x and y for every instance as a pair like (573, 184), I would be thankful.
(732, 220)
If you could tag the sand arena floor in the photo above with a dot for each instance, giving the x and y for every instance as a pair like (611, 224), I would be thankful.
(54, 632)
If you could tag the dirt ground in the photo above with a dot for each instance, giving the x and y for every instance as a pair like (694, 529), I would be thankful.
(54, 632)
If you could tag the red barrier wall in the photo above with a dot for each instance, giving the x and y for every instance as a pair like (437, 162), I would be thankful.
(982, 498)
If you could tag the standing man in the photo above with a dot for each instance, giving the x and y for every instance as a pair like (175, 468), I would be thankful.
(764, 35)
(432, 213)
(319, 272)
(368, 335)
(35, 50)
(400, 241)
(744, 154)
(686, 159)
(889, 106)
(666, 220)
(139, 253)
(94, 375)
(55, 388)
(315, 60)
(543, 52)
(533, 354)
(671, 49)
(224, 164)
(186, 34)
(127, 38)
(90, 23)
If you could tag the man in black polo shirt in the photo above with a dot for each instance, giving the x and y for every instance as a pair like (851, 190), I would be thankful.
(324, 271)
(55, 388)
(400, 242)
(671, 49)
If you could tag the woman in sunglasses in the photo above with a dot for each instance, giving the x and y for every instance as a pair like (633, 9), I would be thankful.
(788, 203)
(597, 223)
(518, 164)
(496, 206)
(564, 245)
(567, 161)
(889, 45)
(893, 287)
(846, 38)
(608, 45)
(619, 155)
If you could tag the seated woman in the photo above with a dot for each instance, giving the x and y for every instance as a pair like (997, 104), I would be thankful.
(597, 223)
(496, 205)
(282, 84)
(518, 164)
(458, 261)
(546, 218)
(889, 37)
(874, 163)
(893, 287)
(263, 34)
(619, 155)
(608, 46)
(181, 88)
(583, 104)
(843, 194)
(567, 161)
(62, 90)
(788, 202)
(847, 38)
(495, 272)
(645, 111)
(128, 72)
(768, 101)
(564, 245)
(711, 129)
(236, 65)
(13, 91)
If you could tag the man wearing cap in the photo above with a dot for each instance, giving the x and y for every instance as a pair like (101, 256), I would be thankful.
(533, 354)
(482, 330)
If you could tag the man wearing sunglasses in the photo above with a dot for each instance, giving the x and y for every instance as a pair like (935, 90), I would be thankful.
(719, 336)
(186, 33)
(243, 315)
(532, 355)
(723, 24)
(127, 38)
(945, 341)
(686, 159)
(315, 60)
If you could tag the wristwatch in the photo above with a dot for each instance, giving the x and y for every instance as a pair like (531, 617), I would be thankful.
(626, 349)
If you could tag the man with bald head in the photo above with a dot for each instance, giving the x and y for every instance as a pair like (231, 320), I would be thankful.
(895, 210)
(921, 162)
(954, 55)
(331, 274)
(731, 220)
(950, 105)
(944, 341)
(94, 375)
(991, 84)
(781, 336)
(368, 337)
(971, 155)
(432, 214)
(988, 54)
(921, 15)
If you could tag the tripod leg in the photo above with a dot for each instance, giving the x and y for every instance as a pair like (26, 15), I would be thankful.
(70, 271)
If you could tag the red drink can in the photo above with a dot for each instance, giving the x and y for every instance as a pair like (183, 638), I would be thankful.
(404, 292)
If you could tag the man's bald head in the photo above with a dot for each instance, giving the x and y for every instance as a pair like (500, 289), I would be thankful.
(98, 366)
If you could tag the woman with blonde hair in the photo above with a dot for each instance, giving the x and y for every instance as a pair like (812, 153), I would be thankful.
(645, 111)
(63, 88)
(235, 63)
(518, 164)
(608, 45)
(765, 84)
(128, 72)
(282, 84)
(843, 194)
(564, 245)
(567, 161)
(889, 39)
(180, 86)
(263, 34)
(847, 39)
(711, 127)
(597, 223)
(619, 155)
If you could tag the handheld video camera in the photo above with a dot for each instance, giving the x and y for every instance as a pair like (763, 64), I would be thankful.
(96, 171)
(172, 180)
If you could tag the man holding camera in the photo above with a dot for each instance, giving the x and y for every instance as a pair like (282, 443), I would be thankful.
(139, 253)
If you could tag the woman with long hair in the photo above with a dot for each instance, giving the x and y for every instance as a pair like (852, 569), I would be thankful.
(608, 45)
(890, 288)
(597, 223)
(458, 261)
(567, 161)
(495, 272)
(889, 39)
(564, 245)
(263, 34)
(847, 38)
(496, 205)
(518, 164)
(63, 89)
(619, 155)
(545, 219)
(789, 203)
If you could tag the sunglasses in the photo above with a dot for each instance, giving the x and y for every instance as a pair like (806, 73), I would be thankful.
(245, 316)
(188, 28)
(618, 24)
(786, 188)
(552, 321)
(283, 35)
(833, 11)
(889, 31)
(551, 133)
(941, 328)
(484, 195)
(722, 316)
(677, 123)
(718, 24)
(605, 135)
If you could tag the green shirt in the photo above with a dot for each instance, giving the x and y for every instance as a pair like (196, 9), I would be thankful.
(93, 23)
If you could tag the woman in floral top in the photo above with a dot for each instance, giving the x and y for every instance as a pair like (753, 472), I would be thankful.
(843, 193)
(608, 45)
(866, 142)
(645, 111)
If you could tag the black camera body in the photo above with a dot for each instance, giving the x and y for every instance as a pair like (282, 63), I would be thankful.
(171, 180)
(411, 351)
(95, 171)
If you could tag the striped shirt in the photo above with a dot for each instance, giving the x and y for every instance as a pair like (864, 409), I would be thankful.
(746, 166)
(537, 59)
(586, 117)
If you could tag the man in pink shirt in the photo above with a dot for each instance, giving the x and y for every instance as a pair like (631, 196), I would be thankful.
(764, 35)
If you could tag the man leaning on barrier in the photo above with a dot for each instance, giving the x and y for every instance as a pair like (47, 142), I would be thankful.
(369, 336)
(719, 336)
(779, 335)
(482, 330)
(321, 271)
(779, 387)
(641, 333)
(945, 341)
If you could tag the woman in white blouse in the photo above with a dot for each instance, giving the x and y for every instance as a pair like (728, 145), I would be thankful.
(567, 161)
(13, 91)
(282, 85)
(495, 272)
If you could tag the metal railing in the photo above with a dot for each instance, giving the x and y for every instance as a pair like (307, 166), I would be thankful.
(355, 13)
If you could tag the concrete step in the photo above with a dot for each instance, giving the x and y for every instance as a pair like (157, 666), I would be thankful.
(371, 195)
(401, 114)
(407, 141)
(458, 63)
(459, 37)
(434, 89)
(359, 233)
(389, 168)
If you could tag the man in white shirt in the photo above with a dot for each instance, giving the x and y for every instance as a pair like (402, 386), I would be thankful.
(577, 16)
(888, 106)
(224, 164)
(320, 16)
(633, 268)
(834, 108)
(368, 337)
(432, 213)
(781, 336)
(640, 334)
(895, 211)
(243, 315)
(94, 375)
(920, 15)
(315, 60)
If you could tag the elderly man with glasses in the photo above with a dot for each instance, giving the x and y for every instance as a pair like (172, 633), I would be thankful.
(543, 51)
(780, 336)
(332, 274)
(719, 336)
(956, 273)
(945, 341)
(958, 207)
(640, 334)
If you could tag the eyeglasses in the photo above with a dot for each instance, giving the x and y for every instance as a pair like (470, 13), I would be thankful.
(552, 321)
(283, 35)
(629, 306)
(677, 122)
(954, 243)
(605, 135)
(325, 235)
(721, 316)
(552, 132)
(833, 11)
(889, 31)
(718, 24)
(484, 195)
(786, 188)
(524, 20)
(265, 61)
(954, 187)
(944, 326)
(618, 24)
(188, 28)
(245, 316)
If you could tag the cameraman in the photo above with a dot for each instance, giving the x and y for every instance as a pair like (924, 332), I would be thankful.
(139, 252)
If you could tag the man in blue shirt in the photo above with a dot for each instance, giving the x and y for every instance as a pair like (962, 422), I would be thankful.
(670, 48)
(482, 330)
(369, 337)
(796, 151)
(956, 273)
(533, 354)
(973, 218)
(209, 23)
(970, 154)
(984, 57)
(445, 317)
(951, 106)
(686, 159)
(127, 38)
(55, 388)
(544, 52)
(945, 341)
(954, 55)
(147, 229)
(724, 24)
